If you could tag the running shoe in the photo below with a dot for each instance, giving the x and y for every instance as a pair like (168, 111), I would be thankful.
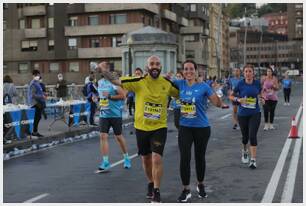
(288, 104)
(235, 126)
(150, 190)
(201, 191)
(156, 196)
(245, 157)
(252, 164)
(271, 126)
(105, 165)
(185, 196)
(266, 127)
(127, 163)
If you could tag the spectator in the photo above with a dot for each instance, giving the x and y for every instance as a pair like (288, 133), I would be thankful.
(35, 99)
(61, 87)
(9, 91)
(92, 98)
(91, 74)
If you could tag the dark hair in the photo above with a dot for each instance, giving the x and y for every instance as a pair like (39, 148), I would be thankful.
(269, 68)
(35, 72)
(190, 61)
(7, 79)
(249, 66)
(139, 69)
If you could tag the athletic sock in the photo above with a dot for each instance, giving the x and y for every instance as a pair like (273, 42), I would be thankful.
(105, 158)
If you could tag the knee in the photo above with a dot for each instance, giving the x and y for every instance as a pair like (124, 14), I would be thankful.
(103, 136)
(156, 159)
(253, 142)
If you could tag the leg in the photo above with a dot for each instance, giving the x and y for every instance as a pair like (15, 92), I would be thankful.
(289, 93)
(157, 169)
(37, 118)
(147, 166)
(104, 147)
(272, 111)
(266, 111)
(235, 110)
(201, 137)
(122, 143)
(116, 124)
(177, 114)
(244, 127)
(254, 125)
(285, 95)
(185, 140)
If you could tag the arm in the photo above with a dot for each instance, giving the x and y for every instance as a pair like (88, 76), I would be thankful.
(119, 96)
(215, 100)
(275, 84)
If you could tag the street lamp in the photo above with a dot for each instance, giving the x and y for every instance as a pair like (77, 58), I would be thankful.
(130, 60)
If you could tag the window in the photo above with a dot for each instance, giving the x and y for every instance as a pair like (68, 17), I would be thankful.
(54, 67)
(72, 43)
(36, 66)
(193, 7)
(93, 20)
(94, 43)
(23, 68)
(73, 21)
(74, 67)
(29, 45)
(21, 24)
(51, 45)
(118, 18)
(51, 22)
(35, 23)
(190, 54)
(190, 38)
(116, 41)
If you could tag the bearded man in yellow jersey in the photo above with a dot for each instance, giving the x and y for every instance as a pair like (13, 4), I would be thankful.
(152, 92)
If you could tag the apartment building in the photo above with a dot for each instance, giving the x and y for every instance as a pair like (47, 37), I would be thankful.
(295, 21)
(277, 22)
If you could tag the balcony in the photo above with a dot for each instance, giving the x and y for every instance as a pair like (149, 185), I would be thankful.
(34, 10)
(183, 21)
(121, 7)
(167, 14)
(101, 29)
(35, 33)
(192, 30)
(107, 52)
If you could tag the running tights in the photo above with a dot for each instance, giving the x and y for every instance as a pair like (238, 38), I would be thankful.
(249, 126)
(287, 92)
(188, 135)
(269, 109)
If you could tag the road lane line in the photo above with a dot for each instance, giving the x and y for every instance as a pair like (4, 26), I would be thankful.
(225, 116)
(272, 186)
(121, 161)
(291, 176)
(34, 199)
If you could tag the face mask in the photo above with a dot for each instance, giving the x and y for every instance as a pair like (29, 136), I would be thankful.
(154, 73)
(60, 78)
(37, 78)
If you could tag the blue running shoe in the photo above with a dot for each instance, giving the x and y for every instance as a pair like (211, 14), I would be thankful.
(104, 166)
(127, 163)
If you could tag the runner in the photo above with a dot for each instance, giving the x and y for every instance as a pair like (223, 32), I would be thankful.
(111, 103)
(246, 93)
(233, 83)
(287, 89)
(270, 87)
(194, 127)
(176, 104)
(152, 93)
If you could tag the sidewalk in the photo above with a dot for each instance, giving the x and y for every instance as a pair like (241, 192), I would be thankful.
(58, 131)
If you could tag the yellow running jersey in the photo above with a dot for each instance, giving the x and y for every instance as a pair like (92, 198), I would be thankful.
(151, 100)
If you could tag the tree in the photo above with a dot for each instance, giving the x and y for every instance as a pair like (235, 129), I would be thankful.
(238, 10)
(271, 8)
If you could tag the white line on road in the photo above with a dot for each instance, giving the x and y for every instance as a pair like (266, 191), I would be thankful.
(272, 186)
(291, 176)
(225, 116)
(121, 161)
(34, 199)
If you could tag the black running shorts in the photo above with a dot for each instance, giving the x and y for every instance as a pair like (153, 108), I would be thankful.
(151, 141)
(115, 123)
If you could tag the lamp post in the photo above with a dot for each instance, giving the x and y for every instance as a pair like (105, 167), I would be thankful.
(130, 60)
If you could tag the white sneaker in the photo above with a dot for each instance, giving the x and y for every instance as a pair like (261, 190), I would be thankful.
(288, 104)
(245, 156)
(271, 126)
(252, 164)
(285, 104)
(266, 127)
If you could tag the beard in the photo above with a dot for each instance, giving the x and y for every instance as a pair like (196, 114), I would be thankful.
(154, 73)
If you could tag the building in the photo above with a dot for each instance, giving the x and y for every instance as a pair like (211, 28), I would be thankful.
(295, 21)
(278, 22)
(225, 60)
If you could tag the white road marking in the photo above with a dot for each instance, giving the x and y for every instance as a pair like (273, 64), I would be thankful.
(121, 161)
(291, 176)
(34, 199)
(272, 186)
(225, 116)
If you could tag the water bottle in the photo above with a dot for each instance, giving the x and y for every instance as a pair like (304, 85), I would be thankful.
(219, 92)
(93, 66)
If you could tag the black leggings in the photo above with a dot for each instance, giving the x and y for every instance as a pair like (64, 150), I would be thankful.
(287, 92)
(38, 111)
(249, 126)
(269, 108)
(188, 135)
(177, 114)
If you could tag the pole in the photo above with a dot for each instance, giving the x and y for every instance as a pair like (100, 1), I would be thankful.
(130, 61)
(245, 37)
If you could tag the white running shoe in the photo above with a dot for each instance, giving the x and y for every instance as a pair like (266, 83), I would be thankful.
(252, 164)
(288, 104)
(271, 126)
(245, 156)
(266, 127)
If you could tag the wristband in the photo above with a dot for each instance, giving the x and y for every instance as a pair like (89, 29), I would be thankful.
(235, 99)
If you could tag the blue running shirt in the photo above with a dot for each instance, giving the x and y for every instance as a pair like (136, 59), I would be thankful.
(251, 92)
(287, 83)
(109, 108)
(193, 100)
(233, 82)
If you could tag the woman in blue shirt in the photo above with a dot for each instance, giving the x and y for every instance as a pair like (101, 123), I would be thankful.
(287, 89)
(194, 126)
(247, 93)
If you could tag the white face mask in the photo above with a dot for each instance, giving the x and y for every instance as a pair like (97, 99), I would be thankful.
(37, 78)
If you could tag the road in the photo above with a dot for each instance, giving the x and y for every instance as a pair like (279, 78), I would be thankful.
(65, 173)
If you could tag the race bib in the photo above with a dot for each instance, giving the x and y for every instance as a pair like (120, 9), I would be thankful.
(152, 111)
(188, 110)
(104, 104)
(250, 103)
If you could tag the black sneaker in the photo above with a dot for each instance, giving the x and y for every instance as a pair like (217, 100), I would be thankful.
(185, 196)
(37, 134)
(201, 191)
(235, 126)
(156, 196)
(252, 164)
(150, 190)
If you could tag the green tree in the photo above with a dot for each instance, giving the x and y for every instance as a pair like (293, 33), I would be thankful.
(271, 8)
(238, 10)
